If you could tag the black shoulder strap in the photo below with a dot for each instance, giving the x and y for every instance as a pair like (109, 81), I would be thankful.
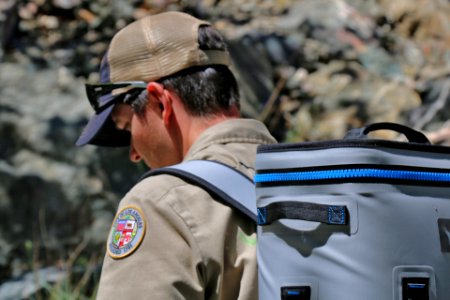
(228, 184)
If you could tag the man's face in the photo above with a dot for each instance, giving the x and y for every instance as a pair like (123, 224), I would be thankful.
(150, 139)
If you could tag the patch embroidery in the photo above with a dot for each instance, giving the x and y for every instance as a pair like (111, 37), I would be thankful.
(127, 232)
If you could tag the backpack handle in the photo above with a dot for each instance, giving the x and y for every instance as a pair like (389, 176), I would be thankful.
(323, 213)
(412, 135)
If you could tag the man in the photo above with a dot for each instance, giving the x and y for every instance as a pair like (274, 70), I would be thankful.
(167, 92)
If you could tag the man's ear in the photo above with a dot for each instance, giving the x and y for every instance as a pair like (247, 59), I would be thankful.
(162, 100)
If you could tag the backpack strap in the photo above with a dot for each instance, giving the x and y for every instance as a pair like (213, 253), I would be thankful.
(219, 180)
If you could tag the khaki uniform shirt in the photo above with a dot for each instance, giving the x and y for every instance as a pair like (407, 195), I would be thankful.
(194, 247)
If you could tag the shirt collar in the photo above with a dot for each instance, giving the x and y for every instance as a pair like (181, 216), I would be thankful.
(232, 131)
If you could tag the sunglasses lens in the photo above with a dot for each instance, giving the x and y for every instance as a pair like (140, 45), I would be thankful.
(101, 96)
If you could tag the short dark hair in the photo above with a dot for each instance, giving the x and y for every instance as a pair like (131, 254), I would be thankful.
(205, 90)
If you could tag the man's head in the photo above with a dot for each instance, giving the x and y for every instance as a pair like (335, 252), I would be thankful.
(182, 54)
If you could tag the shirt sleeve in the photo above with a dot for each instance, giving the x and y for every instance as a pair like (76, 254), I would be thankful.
(165, 265)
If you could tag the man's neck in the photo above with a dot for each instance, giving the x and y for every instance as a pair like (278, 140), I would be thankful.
(198, 125)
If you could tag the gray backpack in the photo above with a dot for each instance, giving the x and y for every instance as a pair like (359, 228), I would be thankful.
(351, 219)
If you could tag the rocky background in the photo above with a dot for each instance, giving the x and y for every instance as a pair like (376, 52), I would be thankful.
(309, 69)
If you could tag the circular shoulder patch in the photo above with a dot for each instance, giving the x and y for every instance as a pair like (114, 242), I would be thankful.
(127, 232)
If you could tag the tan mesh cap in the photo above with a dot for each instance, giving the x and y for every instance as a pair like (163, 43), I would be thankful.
(146, 50)
(157, 46)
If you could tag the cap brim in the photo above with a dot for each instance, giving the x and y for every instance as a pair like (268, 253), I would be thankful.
(101, 131)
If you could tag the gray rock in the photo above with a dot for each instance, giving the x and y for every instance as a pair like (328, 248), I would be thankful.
(46, 182)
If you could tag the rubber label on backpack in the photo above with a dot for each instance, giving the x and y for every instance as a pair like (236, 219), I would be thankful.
(127, 232)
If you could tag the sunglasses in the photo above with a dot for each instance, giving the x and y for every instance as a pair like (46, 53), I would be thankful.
(103, 95)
